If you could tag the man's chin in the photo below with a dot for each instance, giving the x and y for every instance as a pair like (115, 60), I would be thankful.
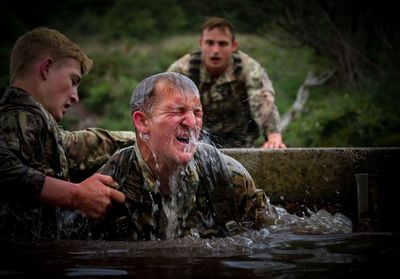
(214, 65)
(185, 157)
(59, 117)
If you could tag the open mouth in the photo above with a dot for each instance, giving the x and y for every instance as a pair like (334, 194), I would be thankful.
(183, 139)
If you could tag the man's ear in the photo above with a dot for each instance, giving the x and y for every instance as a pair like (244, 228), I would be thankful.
(234, 45)
(140, 121)
(45, 65)
(200, 39)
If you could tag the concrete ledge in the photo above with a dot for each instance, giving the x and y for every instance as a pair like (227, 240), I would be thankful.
(324, 176)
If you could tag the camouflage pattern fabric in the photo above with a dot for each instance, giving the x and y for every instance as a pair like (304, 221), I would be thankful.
(32, 145)
(217, 199)
(237, 104)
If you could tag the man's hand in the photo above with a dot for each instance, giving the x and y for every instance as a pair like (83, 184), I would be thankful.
(274, 141)
(96, 194)
(93, 197)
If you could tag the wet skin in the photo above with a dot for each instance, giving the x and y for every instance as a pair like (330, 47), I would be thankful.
(174, 126)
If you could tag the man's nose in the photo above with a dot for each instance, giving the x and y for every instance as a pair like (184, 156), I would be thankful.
(189, 119)
(74, 97)
(215, 48)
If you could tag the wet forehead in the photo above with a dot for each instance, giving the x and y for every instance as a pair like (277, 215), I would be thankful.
(172, 95)
(165, 88)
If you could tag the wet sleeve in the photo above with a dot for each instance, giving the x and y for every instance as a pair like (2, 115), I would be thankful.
(124, 168)
(253, 203)
(240, 178)
(110, 167)
(17, 180)
(21, 151)
(90, 148)
(261, 97)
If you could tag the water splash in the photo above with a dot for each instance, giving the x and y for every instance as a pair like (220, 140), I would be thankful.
(193, 141)
(320, 222)
(70, 224)
(174, 206)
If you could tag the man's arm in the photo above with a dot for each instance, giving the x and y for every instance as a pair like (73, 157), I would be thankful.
(17, 181)
(262, 102)
(87, 150)
(23, 175)
(20, 184)
(254, 203)
(92, 197)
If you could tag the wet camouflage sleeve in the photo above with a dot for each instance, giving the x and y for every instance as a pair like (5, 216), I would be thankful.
(26, 182)
(21, 144)
(90, 148)
(261, 96)
(253, 203)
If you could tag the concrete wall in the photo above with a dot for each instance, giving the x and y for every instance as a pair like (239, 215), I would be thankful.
(325, 177)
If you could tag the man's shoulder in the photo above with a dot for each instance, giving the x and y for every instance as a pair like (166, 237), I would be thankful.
(181, 64)
(120, 162)
(185, 57)
(124, 153)
(211, 153)
(233, 164)
(17, 98)
(19, 106)
(248, 60)
(251, 68)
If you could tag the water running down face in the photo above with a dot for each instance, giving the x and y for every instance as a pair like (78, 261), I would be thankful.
(173, 126)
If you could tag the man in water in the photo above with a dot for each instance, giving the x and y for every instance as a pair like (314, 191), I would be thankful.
(174, 184)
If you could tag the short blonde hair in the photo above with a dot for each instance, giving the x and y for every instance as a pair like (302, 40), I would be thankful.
(44, 41)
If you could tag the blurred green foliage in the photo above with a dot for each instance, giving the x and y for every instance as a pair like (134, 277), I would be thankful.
(129, 40)
(348, 118)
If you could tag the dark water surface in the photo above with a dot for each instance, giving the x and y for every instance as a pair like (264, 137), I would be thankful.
(256, 254)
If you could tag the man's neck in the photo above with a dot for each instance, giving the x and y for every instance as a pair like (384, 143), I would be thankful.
(160, 170)
(28, 86)
(214, 74)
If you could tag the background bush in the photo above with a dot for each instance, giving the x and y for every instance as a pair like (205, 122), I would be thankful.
(129, 40)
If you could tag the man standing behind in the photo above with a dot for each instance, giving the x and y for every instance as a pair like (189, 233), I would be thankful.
(236, 93)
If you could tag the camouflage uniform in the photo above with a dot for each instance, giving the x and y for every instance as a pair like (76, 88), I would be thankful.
(32, 146)
(235, 105)
(213, 195)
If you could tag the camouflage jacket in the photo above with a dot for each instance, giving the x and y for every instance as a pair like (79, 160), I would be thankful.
(32, 145)
(213, 195)
(235, 105)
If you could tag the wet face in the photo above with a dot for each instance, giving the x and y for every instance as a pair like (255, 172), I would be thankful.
(217, 46)
(174, 125)
(61, 87)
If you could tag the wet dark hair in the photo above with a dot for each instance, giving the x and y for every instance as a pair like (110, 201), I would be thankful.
(145, 95)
